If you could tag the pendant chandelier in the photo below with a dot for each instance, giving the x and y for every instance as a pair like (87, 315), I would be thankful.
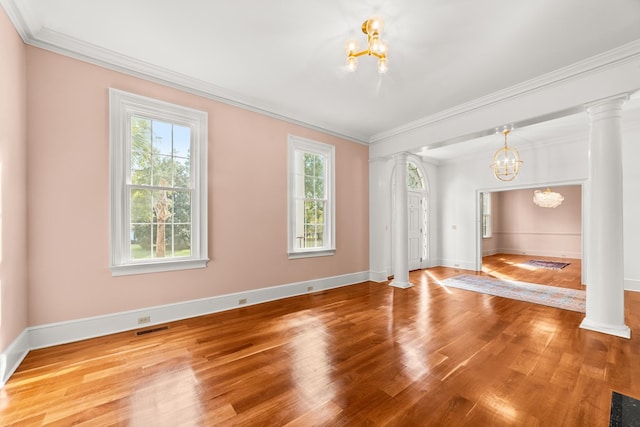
(547, 198)
(375, 46)
(506, 161)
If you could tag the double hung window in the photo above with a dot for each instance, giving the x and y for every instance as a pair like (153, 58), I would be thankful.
(311, 198)
(158, 185)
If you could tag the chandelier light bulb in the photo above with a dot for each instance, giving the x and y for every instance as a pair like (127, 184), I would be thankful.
(352, 63)
(351, 47)
(383, 65)
(374, 26)
(376, 45)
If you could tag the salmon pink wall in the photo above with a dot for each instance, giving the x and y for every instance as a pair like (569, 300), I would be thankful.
(68, 197)
(13, 184)
(525, 228)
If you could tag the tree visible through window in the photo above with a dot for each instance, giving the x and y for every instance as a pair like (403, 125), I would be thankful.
(159, 192)
(158, 185)
(310, 198)
(311, 201)
(414, 178)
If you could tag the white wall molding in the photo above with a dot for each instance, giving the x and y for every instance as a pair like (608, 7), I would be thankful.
(538, 233)
(51, 334)
(627, 52)
(75, 330)
(453, 263)
(11, 358)
(34, 34)
(632, 285)
(542, 253)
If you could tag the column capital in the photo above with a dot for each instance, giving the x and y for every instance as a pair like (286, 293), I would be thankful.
(611, 103)
(401, 156)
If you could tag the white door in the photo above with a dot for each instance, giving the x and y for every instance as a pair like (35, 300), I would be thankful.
(415, 230)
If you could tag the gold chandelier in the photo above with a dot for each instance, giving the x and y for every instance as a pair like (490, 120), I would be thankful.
(547, 198)
(506, 161)
(375, 46)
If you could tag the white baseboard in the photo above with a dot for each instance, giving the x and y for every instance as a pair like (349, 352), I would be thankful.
(533, 252)
(464, 265)
(378, 276)
(11, 358)
(632, 285)
(76, 330)
(490, 252)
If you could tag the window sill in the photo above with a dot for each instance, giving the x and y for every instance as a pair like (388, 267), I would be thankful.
(157, 267)
(311, 254)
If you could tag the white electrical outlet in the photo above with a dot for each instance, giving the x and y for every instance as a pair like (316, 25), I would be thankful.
(144, 319)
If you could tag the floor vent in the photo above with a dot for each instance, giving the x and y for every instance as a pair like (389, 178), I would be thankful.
(148, 331)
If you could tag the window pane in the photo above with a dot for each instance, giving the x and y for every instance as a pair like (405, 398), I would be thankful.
(140, 134)
(181, 207)
(182, 240)
(141, 241)
(140, 168)
(319, 188)
(414, 179)
(308, 186)
(141, 210)
(162, 137)
(140, 150)
(162, 170)
(181, 141)
(182, 172)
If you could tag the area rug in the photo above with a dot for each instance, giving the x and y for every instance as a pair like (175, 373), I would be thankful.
(567, 299)
(551, 265)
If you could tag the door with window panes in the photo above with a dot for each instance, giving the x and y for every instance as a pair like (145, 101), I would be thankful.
(417, 220)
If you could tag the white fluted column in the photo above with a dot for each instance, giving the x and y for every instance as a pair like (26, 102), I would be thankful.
(604, 233)
(400, 225)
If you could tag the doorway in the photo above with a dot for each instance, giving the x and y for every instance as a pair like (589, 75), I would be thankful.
(510, 223)
(417, 222)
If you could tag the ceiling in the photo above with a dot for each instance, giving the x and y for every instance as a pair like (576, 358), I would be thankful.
(287, 57)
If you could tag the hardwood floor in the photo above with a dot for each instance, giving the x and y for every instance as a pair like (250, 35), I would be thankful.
(366, 354)
(514, 267)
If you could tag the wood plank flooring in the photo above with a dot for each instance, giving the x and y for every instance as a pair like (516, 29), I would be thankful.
(362, 355)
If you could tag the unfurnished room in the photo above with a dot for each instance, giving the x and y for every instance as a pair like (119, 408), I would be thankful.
(298, 213)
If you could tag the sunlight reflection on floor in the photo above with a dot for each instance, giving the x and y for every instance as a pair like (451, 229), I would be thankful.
(436, 280)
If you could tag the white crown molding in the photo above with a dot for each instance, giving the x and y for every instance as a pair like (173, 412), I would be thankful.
(22, 18)
(624, 53)
(34, 34)
(72, 47)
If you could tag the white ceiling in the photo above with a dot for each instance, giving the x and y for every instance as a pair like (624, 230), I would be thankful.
(287, 56)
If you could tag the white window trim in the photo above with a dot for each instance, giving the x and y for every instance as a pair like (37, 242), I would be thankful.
(298, 143)
(486, 231)
(123, 105)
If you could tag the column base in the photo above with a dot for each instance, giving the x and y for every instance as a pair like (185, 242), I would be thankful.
(401, 285)
(617, 330)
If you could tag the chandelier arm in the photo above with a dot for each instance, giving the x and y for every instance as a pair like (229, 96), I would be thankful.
(355, 55)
